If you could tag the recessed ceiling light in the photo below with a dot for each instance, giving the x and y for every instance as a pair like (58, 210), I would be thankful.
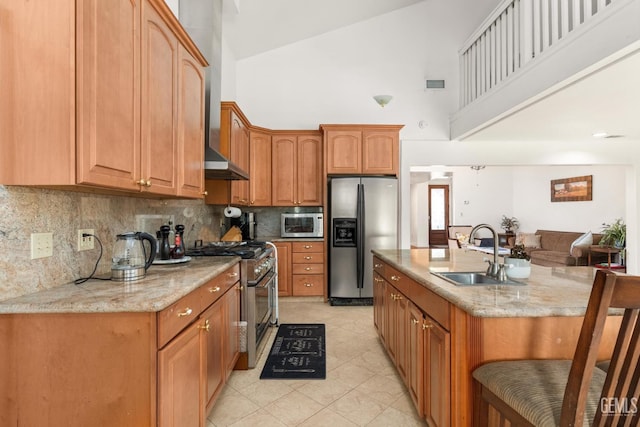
(600, 135)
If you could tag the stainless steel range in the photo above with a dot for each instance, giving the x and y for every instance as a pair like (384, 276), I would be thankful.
(259, 281)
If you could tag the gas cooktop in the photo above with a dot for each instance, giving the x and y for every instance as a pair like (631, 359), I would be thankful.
(246, 250)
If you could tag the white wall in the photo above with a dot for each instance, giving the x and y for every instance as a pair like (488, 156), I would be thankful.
(333, 77)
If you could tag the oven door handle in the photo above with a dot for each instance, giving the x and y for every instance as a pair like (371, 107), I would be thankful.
(264, 282)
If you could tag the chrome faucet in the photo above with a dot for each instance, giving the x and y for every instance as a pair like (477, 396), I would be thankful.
(494, 267)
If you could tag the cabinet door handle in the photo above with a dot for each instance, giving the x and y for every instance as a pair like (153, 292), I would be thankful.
(427, 325)
(187, 312)
(205, 193)
(414, 321)
(215, 289)
(234, 274)
(206, 326)
(377, 265)
(377, 279)
(395, 278)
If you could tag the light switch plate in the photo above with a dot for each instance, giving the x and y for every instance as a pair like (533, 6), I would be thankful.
(41, 245)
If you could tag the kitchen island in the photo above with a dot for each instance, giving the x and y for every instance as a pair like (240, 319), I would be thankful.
(156, 351)
(437, 332)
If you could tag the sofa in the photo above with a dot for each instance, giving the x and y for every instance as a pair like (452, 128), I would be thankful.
(554, 248)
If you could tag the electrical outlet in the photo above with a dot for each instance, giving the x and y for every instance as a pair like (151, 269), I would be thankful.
(85, 242)
(41, 245)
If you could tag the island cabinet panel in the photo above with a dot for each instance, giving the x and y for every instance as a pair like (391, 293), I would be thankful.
(418, 344)
(444, 343)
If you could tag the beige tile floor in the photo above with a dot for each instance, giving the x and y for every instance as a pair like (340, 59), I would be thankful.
(362, 387)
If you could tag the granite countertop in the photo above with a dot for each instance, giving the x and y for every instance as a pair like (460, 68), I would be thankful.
(549, 291)
(162, 286)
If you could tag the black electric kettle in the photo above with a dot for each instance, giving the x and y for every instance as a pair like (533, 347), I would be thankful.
(130, 259)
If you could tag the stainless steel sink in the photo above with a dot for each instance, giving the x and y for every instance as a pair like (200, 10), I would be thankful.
(474, 278)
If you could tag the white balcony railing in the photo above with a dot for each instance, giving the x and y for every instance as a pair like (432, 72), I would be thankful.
(514, 34)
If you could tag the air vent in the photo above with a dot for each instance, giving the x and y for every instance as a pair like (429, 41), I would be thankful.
(435, 84)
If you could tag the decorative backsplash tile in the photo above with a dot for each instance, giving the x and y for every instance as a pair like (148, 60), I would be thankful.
(26, 210)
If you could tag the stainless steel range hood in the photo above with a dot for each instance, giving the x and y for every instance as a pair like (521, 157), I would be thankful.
(202, 19)
(216, 166)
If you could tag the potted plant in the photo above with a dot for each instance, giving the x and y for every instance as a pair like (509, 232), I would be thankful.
(509, 225)
(614, 234)
(518, 263)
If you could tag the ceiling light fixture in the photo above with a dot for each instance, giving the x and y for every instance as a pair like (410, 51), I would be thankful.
(383, 100)
(600, 135)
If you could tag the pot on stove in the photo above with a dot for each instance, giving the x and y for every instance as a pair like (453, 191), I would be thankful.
(131, 259)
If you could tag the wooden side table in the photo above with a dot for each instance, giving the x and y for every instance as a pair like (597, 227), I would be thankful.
(609, 250)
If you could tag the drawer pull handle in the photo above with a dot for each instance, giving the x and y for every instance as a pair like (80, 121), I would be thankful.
(308, 285)
(234, 274)
(377, 279)
(414, 321)
(206, 326)
(377, 265)
(308, 269)
(308, 246)
(395, 278)
(187, 312)
(427, 325)
(307, 258)
(216, 289)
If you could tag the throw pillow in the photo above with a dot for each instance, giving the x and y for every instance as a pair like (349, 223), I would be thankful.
(529, 240)
(583, 241)
(463, 239)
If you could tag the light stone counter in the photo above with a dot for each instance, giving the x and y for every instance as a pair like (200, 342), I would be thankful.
(163, 285)
(550, 291)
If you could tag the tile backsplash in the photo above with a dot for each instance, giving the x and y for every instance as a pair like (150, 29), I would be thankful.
(28, 210)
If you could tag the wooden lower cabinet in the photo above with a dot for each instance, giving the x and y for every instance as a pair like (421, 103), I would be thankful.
(436, 345)
(284, 268)
(301, 268)
(121, 369)
(307, 268)
(418, 345)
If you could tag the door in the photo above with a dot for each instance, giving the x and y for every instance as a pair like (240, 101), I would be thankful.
(380, 223)
(438, 215)
(343, 277)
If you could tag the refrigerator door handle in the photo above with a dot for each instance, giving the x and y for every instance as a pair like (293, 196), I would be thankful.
(360, 236)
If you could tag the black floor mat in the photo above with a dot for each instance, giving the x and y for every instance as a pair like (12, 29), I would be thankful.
(298, 352)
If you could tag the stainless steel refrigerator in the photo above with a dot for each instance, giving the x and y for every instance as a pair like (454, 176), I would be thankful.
(363, 216)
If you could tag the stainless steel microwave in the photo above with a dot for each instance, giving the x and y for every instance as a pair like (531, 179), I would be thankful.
(302, 224)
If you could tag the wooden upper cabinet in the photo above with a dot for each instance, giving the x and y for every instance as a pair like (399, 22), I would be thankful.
(380, 151)
(159, 69)
(110, 121)
(260, 167)
(344, 151)
(310, 184)
(240, 156)
(362, 149)
(190, 125)
(108, 93)
(297, 169)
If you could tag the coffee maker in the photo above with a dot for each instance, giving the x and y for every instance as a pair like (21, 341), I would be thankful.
(247, 224)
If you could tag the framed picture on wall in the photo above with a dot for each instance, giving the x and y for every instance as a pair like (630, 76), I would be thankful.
(577, 189)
